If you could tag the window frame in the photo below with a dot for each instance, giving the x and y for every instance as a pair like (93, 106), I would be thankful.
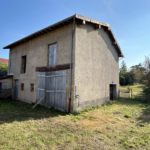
(23, 64)
(55, 43)
(31, 87)
(22, 86)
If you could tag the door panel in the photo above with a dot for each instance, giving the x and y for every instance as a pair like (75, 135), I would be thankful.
(54, 89)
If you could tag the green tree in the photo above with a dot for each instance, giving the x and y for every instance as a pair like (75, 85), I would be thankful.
(122, 80)
(123, 68)
(3, 67)
(146, 64)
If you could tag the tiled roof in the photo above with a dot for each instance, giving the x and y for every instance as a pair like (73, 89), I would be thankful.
(3, 61)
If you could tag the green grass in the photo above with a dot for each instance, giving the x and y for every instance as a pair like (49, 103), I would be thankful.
(119, 124)
(136, 89)
(137, 92)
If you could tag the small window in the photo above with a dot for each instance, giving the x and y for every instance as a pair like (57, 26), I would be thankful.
(52, 55)
(23, 64)
(32, 87)
(22, 86)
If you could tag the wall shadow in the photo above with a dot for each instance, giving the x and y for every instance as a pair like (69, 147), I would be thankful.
(107, 40)
(12, 110)
(145, 117)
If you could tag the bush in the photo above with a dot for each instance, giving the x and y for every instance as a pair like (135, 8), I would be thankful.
(3, 67)
(146, 91)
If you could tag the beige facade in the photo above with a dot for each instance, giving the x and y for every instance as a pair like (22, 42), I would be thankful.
(36, 51)
(95, 63)
(96, 66)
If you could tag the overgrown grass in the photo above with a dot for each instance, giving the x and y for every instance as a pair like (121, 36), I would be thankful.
(136, 89)
(119, 124)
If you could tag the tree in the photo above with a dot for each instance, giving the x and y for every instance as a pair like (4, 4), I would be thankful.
(146, 64)
(123, 68)
(122, 80)
(3, 67)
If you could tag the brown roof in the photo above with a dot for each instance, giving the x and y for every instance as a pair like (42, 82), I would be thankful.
(3, 61)
(66, 21)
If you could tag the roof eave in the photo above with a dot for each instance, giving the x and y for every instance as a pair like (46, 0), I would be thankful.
(63, 22)
(40, 32)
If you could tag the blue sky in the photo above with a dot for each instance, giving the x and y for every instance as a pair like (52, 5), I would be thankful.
(129, 20)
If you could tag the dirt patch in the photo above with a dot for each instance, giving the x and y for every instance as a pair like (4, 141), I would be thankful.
(103, 121)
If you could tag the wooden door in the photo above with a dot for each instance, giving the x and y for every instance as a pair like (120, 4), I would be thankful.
(52, 85)
(111, 92)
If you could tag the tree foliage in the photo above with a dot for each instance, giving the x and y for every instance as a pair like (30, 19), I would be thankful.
(123, 68)
(139, 73)
(147, 91)
(3, 67)
(146, 64)
(126, 77)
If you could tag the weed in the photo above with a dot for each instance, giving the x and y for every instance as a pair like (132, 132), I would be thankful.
(127, 115)
(109, 136)
(75, 119)
(98, 131)
(114, 122)
(141, 124)
(108, 127)
(70, 139)
(118, 118)
(92, 118)
(122, 140)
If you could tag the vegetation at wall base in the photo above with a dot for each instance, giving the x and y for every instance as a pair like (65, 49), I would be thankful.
(119, 124)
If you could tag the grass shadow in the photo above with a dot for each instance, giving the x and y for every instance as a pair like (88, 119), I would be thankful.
(144, 107)
(145, 116)
(12, 110)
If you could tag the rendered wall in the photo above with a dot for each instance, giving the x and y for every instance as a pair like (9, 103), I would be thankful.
(96, 67)
(37, 56)
(6, 83)
(6, 91)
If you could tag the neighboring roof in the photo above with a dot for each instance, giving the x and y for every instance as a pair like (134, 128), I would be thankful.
(66, 21)
(3, 73)
(3, 61)
(5, 77)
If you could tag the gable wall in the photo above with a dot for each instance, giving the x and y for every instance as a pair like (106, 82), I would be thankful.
(96, 66)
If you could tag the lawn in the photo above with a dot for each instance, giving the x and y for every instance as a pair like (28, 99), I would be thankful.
(136, 89)
(119, 124)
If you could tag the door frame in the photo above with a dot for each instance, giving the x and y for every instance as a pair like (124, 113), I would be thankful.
(112, 91)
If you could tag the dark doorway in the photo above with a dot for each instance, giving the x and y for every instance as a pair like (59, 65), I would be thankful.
(111, 92)
(16, 89)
